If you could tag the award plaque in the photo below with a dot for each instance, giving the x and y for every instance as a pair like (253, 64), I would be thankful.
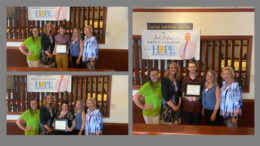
(61, 124)
(61, 49)
(193, 90)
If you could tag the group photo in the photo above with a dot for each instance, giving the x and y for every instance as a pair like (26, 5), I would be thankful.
(193, 71)
(67, 105)
(67, 39)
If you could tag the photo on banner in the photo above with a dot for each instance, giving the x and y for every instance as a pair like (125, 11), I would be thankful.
(67, 38)
(67, 105)
(193, 71)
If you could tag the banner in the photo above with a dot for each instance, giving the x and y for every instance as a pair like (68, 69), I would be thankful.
(48, 83)
(49, 13)
(171, 44)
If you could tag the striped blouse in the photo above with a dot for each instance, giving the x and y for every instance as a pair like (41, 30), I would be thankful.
(231, 99)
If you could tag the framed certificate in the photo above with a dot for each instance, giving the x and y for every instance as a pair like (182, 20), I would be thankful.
(61, 124)
(61, 49)
(193, 90)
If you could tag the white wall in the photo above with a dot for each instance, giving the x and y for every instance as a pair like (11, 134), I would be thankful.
(210, 23)
(116, 29)
(119, 101)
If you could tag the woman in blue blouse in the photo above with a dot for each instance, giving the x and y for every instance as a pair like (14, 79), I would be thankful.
(90, 51)
(94, 122)
(231, 98)
(76, 48)
(211, 99)
(80, 118)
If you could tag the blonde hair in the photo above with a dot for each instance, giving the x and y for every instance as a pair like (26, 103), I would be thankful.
(82, 105)
(45, 101)
(230, 69)
(90, 28)
(167, 72)
(45, 28)
(93, 101)
(214, 77)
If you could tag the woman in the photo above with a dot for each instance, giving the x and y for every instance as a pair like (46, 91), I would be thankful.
(30, 118)
(90, 52)
(47, 114)
(65, 114)
(151, 92)
(48, 43)
(80, 118)
(231, 98)
(171, 92)
(62, 43)
(94, 122)
(33, 43)
(76, 48)
(211, 99)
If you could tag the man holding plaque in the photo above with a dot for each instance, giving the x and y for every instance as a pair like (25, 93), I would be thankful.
(191, 89)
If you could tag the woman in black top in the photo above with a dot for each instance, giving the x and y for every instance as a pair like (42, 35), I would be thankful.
(47, 60)
(47, 114)
(171, 92)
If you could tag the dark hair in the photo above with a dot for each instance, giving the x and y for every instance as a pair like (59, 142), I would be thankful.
(149, 78)
(65, 102)
(30, 108)
(64, 26)
(192, 61)
(34, 27)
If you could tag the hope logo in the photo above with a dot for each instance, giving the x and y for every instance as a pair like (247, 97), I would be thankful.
(164, 50)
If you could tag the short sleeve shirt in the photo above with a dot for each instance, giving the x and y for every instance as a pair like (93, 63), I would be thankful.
(32, 119)
(34, 45)
(153, 95)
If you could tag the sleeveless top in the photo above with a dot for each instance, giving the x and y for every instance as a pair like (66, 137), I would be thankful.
(75, 48)
(209, 98)
(78, 120)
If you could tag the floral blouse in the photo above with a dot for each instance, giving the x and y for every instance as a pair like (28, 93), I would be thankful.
(94, 122)
(68, 116)
(231, 99)
(90, 49)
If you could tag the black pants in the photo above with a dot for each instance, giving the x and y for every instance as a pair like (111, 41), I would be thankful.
(74, 61)
(192, 118)
(76, 132)
(208, 114)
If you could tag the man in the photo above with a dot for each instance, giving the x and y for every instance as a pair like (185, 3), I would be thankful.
(62, 84)
(188, 48)
(191, 104)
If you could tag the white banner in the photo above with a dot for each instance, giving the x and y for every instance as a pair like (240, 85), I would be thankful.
(171, 44)
(48, 83)
(49, 13)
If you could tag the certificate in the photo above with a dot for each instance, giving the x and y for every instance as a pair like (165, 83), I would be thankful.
(61, 49)
(193, 90)
(61, 124)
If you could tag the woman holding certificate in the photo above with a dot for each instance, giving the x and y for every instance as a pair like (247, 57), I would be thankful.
(171, 92)
(65, 120)
(94, 120)
(62, 43)
(47, 114)
(48, 43)
(90, 52)
(80, 118)
(231, 98)
(76, 48)
(152, 95)
(211, 99)
(29, 121)
(33, 43)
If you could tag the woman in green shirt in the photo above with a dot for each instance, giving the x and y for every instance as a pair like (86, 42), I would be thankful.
(151, 93)
(29, 122)
(33, 43)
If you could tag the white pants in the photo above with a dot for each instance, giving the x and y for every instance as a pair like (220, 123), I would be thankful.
(152, 119)
(35, 63)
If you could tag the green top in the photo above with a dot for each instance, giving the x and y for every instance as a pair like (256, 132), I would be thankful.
(152, 96)
(33, 46)
(32, 119)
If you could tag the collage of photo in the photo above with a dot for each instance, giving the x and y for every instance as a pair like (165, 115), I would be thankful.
(187, 70)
